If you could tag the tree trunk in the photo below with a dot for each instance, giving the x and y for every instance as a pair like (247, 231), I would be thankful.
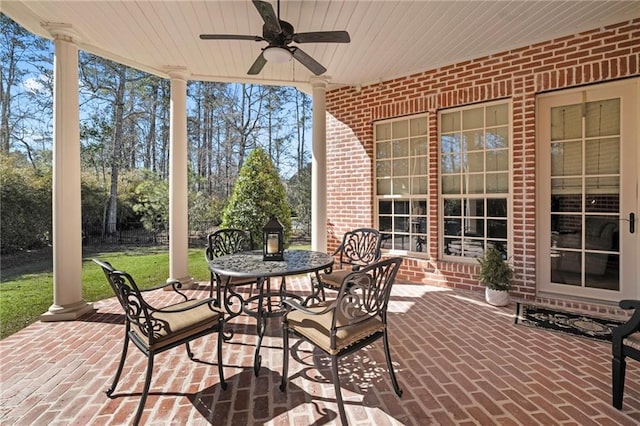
(5, 103)
(116, 157)
(149, 151)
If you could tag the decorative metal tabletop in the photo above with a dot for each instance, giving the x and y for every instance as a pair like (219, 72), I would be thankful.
(250, 264)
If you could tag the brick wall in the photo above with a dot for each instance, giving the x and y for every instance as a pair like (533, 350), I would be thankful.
(594, 56)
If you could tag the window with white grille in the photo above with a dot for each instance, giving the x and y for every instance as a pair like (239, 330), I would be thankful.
(474, 145)
(401, 156)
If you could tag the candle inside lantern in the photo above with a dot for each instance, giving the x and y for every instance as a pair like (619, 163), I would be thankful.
(273, 240)
(272, 244)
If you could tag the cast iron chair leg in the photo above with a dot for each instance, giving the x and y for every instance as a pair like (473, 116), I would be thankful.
(618, 367)
(123, 356)
(285, 357)
(336, 385)
(189, 353)
(392, 373)
(223, 383)
(219, 300)
(145, 391)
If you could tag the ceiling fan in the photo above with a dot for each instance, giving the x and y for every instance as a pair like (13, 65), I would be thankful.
(279, 34)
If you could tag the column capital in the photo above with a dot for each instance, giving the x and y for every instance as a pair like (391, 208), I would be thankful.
(177, 72)
(319, 82)
(61, 31)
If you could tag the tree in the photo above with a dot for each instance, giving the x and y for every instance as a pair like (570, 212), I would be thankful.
(152, 201)
(299, 196)
(257, 195)
(210, 138)
(124, 136)
(114, 87)
(25, 92)
(303, 118)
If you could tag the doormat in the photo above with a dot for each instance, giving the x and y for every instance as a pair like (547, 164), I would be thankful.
(575, 324)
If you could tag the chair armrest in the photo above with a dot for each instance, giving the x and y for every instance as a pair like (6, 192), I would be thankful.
(208, 301)
(161, 286)
(208, 254)
(175, 285)
(336, 251)
(630, 304)
(633, 324)
(293, 304)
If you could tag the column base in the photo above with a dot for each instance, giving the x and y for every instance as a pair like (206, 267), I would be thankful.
(187, 283)
(67, 313)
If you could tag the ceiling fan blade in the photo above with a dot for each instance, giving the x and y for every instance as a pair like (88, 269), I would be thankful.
(306, 60)
(322, 37)
(257, 65)
(271, 22)
(230, 37)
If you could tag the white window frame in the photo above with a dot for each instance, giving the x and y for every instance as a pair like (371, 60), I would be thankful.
(414, 222)
(473, 244)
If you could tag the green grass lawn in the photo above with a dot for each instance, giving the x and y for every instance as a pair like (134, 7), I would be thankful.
(26, 280)
(26, 289)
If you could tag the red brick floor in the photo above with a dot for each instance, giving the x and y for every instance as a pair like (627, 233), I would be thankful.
(458, 360)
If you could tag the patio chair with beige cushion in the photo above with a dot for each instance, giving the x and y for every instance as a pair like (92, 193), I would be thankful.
(360, 247)
(221, 243)
(625, 343)
(156, 329)
(356, 319)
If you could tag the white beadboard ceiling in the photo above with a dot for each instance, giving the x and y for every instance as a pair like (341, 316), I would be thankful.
(388, 38)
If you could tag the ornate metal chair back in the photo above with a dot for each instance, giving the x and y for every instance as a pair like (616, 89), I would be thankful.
(128, 294)
(365, 294)
(360, 247)
(228, 241)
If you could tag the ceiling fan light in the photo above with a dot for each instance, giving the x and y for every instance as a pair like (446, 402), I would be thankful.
(278, 55)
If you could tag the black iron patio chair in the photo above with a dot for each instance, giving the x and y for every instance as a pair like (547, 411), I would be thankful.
(625, 343)
(360, 247)
(357, 318)
(156, 329)
(223, 242)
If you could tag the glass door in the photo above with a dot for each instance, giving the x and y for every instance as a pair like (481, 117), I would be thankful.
(587, 191)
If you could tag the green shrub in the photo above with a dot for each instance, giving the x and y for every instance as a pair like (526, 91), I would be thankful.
(25, 205)
(495, 271)
(258, 194)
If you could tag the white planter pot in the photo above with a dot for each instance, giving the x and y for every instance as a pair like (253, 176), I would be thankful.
(496, 297)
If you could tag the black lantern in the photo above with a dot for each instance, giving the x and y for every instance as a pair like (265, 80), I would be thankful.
(273, 245)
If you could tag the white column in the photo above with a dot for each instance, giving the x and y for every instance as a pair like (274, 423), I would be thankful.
(319, 167)
(178, 181)
(67, 218)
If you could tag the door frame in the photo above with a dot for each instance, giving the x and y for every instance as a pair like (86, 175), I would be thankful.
(628, 90)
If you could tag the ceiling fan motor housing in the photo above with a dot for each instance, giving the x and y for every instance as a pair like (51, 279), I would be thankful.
(278, 38)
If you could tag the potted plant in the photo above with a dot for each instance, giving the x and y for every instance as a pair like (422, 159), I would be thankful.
(495, 274)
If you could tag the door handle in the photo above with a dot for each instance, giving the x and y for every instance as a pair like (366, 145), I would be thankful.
(632, 222)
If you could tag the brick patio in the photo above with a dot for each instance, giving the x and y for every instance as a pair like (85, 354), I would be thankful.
(458, 360)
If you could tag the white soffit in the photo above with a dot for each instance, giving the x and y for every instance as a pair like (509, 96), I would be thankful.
(389, 39)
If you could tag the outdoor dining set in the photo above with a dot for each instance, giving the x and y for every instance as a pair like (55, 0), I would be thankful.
(344, 310)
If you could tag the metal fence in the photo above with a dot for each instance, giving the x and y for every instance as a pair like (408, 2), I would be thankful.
(135, 234)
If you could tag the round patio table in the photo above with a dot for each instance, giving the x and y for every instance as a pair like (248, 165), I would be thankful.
(251, 265)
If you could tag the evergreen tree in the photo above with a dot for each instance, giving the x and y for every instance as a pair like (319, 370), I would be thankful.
(299, 196)
(258, 194)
